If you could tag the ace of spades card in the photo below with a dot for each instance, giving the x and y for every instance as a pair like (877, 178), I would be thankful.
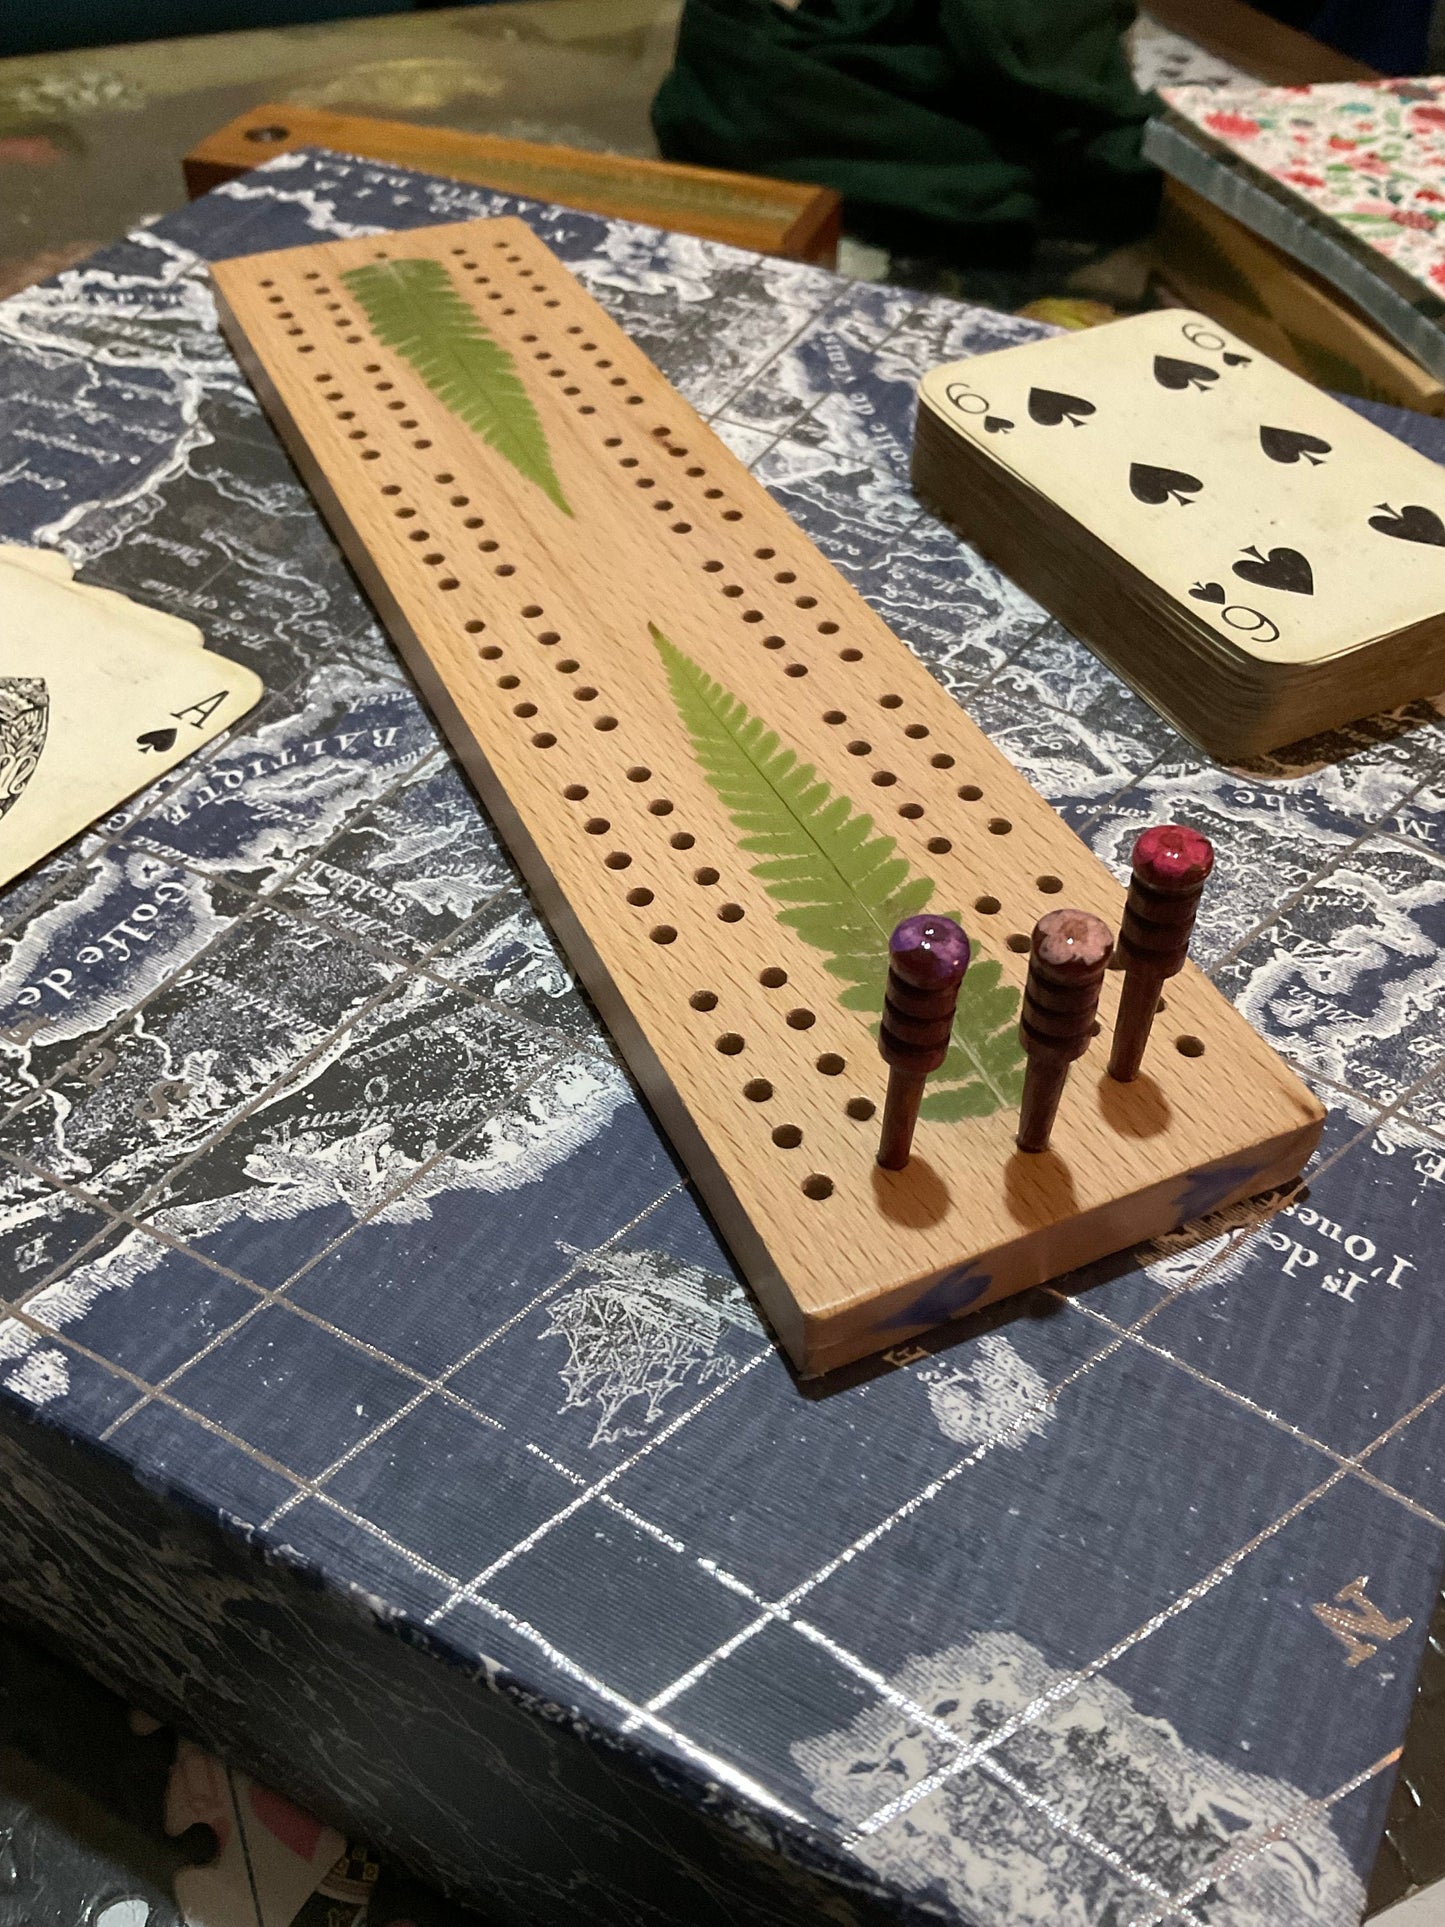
(1293, 529)
(97, 699)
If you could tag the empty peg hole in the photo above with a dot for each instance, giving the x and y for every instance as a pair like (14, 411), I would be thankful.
(916, 731)
(639, 773)
(845, 655)
(860, 748)
(682, 840)
(605, 722)
(706, 874)
(660, 806)
(941, 761)
(969, 792)
(597, 826)
(618, 860)
(860, 1107)
(911, 810)
(575, 792)
(729, 1043)
(787, 1137)
(834, 716)
(544, 739)
(731, 913)
(703, 1000)
(489, 652)
(757, 1090)
(639, 896)
(663, 933)
(1017, 941)
(1189, 1046)
(801, 1020)
(884, 778)
(796, 669)
(772, 978)
(939, 845)
(890, 702)
(999, 826)
(987, 906)
(831, 1064)
(817, 1187)
(1051, 886)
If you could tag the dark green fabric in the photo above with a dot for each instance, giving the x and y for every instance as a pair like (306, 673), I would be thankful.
(961, 118)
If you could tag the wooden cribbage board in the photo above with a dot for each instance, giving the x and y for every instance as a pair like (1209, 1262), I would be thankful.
(528, 631)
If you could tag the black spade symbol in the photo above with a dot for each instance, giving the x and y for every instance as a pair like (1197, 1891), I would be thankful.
(159, 740)
(1208, 592)
(1412, 524)
(1280, 569)
(1156, 485)
(1049, 409)
(1288, 444)
(996, 425)
(1238, 361)
(1170, 373)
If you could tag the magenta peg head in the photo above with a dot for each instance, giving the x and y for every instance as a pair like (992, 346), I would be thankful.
(1171, 857)
(929, 952)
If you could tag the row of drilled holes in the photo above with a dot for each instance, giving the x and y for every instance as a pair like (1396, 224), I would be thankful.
(998, 826)
(787, 1136)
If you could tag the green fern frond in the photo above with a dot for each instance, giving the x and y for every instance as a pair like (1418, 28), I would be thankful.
(413, 307)
(842, 884)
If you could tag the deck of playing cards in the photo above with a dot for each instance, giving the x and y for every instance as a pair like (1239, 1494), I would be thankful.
(1259, 562)
(98, 697)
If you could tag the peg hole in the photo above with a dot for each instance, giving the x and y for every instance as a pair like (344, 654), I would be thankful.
(787, 1137)
(772, 978)
(706, 875)
(938, 846)
(1189, 1046)
(987, 906)
(597, 826)
(660, 806)
(605, 722)
(999, 826)
(682, 840)
(941, 761)
(663, 933)
(639, 896)
(757, 1090)
(970, 792)
(848, 655)
(1051, 886)
(703, 1000)
(544, 739)
(861, 1108)
(884, 778)
(917, 731)
(617, 860)
(730, 1044)
(831, 1064)
(911, 810)
(834, 716)
(796, 669)
(1017, 941)
(860, 748)
(575, 792)
(817, 1187)
(801, 1019)
(639, 773)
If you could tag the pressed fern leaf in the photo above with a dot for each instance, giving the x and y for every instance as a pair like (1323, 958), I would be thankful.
(413, 307)
(842, 883)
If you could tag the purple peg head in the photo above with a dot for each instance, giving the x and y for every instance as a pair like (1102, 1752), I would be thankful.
(929, 952)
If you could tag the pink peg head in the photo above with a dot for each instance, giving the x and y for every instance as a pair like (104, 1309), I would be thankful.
(1171, 857)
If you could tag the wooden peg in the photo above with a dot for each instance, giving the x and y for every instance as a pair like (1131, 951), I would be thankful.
(1067, 960)
(927, 957)
(1171, 865)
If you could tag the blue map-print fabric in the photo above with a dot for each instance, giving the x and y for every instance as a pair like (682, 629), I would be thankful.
(375, 1396)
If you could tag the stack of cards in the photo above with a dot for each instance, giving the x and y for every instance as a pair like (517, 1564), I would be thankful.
(98, 697)
(1256, 560)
